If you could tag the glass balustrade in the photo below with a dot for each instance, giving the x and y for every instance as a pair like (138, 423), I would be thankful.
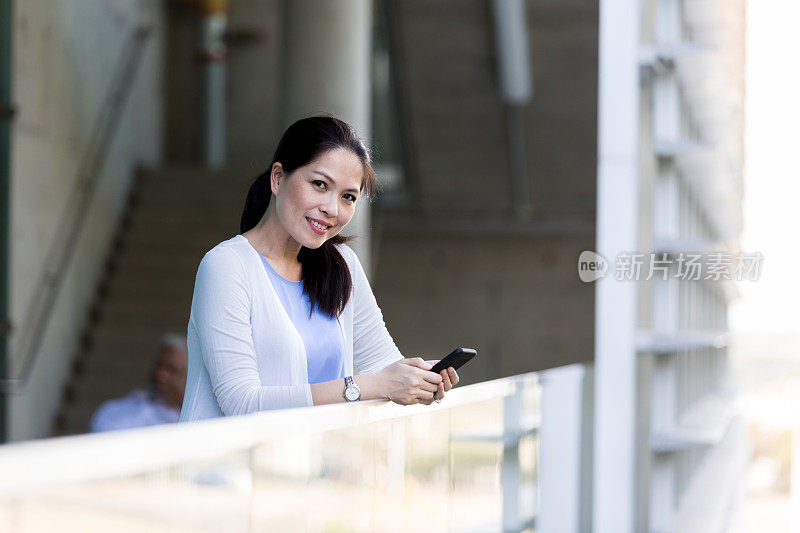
(468, 464)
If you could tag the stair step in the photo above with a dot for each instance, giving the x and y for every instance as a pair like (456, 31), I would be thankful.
(174, 229)
(183, 270)
(127, 347)
(189, 174)
(171, 194)
(182, 216)
(136, 307)
(135, 258)
(131, 349)
(124, 331)
(176, 217)
(195, 241)
(97, 388)
(75, 419)
(129, 286)
(196, 237)
(127, 360)
(135, 344)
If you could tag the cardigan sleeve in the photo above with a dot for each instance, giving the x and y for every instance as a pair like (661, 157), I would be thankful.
(221, 315)
(373, 347)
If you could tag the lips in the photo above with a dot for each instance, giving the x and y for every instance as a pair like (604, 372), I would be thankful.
(319, 227)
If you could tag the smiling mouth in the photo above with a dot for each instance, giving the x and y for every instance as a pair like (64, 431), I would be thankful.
(318, 227)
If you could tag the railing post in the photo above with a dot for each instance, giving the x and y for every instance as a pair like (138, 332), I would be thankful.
(396, 456)
(560, 438)
(510, 475)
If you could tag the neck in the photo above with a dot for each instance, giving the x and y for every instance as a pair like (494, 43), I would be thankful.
(272, 240)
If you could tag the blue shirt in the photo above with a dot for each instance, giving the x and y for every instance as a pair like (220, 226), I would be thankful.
(322, 335)
(137, 409)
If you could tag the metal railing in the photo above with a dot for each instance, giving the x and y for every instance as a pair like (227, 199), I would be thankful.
(69, 228)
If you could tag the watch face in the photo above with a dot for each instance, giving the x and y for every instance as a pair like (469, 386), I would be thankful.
(352, 393)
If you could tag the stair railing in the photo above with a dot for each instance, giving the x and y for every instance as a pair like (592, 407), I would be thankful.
(68, 231)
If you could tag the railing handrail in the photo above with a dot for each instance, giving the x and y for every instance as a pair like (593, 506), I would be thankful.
(33, 465)
(68, 230)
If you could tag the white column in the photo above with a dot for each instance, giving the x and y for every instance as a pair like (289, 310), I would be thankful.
(215, 75)
(328, 50)
(560, 445)
(615, 302)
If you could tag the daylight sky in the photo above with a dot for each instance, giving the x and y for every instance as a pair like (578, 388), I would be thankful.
(772, 170)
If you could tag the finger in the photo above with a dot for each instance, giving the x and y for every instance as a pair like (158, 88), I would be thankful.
(432, 377)
(453, 375)
(428, 387)
(423, 398)
(446, 380)
(439, 394)
(428, 397)
(418, 362)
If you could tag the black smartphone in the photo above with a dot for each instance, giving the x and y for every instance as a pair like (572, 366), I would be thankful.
(456, 359)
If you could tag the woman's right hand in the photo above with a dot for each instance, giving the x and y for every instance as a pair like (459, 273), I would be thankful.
(409, 381)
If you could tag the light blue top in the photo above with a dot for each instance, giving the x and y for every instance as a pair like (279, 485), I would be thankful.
(321, 334)
(137, 409)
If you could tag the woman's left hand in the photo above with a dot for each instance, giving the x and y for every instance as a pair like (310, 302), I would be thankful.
(449, 380)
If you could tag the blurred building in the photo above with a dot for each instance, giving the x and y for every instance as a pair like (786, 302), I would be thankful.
(510, 136)
(670, 184)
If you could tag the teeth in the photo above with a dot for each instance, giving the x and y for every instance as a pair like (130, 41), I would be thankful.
(317, 224)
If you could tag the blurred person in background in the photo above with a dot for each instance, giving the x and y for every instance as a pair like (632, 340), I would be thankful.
(283, 313)
(161, 402)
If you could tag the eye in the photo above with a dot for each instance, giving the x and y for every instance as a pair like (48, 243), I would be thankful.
(350, 197)
(319, 184)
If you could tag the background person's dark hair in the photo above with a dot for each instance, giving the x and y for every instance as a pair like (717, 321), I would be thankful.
(326, 278)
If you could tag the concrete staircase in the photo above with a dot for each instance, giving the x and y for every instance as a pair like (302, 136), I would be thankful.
(456, 126)
(175, 216)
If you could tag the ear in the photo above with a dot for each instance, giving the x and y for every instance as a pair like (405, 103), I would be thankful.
(275, 177)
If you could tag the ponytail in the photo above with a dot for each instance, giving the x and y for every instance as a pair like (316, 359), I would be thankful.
(256, 203)
(325, 274)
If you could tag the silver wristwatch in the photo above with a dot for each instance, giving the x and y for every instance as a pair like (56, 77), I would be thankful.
(351, 391)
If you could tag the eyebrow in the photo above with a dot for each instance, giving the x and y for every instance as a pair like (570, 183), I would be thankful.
(334, 181)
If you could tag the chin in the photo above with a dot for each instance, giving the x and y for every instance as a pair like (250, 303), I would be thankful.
(313, 244)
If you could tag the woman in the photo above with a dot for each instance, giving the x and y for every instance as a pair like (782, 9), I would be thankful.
(283, 312)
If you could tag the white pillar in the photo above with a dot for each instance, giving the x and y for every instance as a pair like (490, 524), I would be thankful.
(560, 444)
(215, 75)
(615, 302)
(328, 50)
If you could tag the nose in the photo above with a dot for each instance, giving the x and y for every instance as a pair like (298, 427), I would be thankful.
(330, 206)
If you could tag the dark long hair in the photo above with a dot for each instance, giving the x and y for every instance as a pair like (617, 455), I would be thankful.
(326, 277)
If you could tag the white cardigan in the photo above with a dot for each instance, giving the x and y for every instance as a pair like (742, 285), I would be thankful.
(245, 355)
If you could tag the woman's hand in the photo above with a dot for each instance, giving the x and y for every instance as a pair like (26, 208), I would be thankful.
(449, 379)
(409, 381)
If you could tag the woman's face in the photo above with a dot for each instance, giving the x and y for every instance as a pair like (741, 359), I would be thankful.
(317, 200)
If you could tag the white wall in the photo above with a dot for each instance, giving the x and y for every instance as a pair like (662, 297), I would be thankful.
(64, 57)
